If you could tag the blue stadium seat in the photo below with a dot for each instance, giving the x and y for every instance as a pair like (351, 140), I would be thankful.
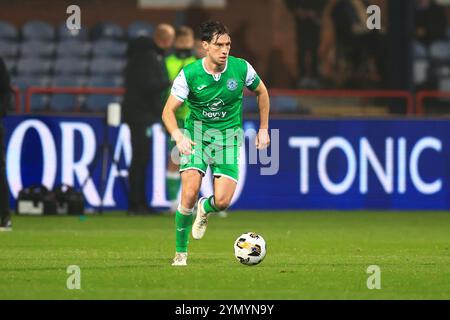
(8, 31)
(440, 59)
(119, 81)
(99, 102)
(420, 70)
(140, 28)
(65, 34)
(8, 49)
(10, 65)
(38, 30)
(444, 85)
(420, 51)
(440, 50)
(109, 48)
(107, 29)
(284, 104)
(73, 48)
(106, 66)
(37, 49)
(34, 66)
(38, 101)
(70, 66)
(63, 101)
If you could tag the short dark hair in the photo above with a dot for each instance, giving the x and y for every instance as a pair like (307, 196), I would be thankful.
(210, 29)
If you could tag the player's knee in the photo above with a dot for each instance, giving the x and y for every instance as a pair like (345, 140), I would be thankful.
(189, 198)
(221, 204)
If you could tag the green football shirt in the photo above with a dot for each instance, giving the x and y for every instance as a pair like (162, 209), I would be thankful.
(214, 100)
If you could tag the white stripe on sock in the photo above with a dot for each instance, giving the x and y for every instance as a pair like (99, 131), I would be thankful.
(184, 211)
(173, 175)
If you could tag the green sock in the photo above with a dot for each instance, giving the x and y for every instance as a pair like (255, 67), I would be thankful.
(208, 205)
(183, 226)
(173, 185)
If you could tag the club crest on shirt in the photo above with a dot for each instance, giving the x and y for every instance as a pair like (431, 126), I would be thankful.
(231, 84)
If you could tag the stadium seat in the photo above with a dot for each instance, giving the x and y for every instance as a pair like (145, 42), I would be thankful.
(10, 65)
(65, 34)
(119, 81)
(109, 30)
(284, 104)
(440, 59)
(420, 70)
(33, 66)
(8, 49)
(73, 48)
(38, 30)
(420, 51)
(109, 48)
(38, 101)
(99, 102)
(440, 50)
(70, 66)
(140, 28)
(8, 31)
(106, 66)
(444, 85)
(37, 49)
(63, 101)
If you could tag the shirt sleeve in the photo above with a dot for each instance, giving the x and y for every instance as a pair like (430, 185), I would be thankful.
(252, 79)
(180, 88)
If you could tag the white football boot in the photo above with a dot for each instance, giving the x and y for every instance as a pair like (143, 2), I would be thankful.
(201, 221)
(180, 259)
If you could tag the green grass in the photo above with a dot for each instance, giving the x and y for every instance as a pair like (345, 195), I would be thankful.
(311, 255)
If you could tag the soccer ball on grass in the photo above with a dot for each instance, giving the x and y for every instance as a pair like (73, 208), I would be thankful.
(250, 248)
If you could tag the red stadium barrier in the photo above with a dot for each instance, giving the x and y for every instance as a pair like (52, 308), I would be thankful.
(70, 90)
(274, 92)
(421, 95)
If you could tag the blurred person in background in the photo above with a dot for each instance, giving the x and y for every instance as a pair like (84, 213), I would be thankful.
(198, 49)
(183, 54)
(5, 95)
(146, 83)
(308, 16)
(353, 56)
(431, 22)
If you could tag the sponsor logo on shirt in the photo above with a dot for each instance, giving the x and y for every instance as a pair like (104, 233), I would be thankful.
(214, 112)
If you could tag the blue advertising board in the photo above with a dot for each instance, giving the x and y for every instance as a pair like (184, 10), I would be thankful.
(311, 164)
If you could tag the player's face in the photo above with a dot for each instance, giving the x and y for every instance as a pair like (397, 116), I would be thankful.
(218, 49)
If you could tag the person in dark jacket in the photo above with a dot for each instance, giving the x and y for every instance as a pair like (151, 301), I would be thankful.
(307, 15)
(431, 22)
(146, 81)
(5, 95)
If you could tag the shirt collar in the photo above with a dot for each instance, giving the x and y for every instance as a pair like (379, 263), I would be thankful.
(214, 75)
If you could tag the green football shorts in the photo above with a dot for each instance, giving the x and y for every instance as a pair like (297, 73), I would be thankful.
(223, 160)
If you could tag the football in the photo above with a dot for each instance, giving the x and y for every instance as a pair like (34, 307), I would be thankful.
(250, 248)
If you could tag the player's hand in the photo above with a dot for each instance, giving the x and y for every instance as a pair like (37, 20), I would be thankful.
(262, 140)
(184, 145)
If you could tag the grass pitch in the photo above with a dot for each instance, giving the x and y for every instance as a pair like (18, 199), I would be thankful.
(311, 255)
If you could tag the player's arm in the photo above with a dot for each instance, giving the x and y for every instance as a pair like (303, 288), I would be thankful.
(262, 140)
(179, 92)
